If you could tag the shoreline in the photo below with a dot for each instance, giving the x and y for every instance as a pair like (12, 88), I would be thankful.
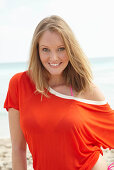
(5, 155)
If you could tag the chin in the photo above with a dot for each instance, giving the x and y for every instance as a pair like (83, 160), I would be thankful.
(55, 72)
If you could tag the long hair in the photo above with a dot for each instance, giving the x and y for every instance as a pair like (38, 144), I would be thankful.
(77, 74)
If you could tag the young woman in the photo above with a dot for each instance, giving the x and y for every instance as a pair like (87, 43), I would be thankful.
(55, 107)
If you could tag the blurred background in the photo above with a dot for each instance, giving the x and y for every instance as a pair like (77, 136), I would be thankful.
(91, 22)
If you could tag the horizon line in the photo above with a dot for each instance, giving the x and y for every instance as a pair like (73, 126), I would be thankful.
(11, 62)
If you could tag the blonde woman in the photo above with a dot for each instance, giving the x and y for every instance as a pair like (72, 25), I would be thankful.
(55, 107)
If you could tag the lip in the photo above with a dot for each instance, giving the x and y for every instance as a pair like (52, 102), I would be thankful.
(54, 65)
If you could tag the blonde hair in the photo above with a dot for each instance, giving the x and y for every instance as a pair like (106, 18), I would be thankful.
(77, 74)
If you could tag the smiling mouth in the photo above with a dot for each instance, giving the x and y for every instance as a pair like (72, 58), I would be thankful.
(54, 65)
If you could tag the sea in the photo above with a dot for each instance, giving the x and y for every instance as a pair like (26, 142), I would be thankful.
(103, 74)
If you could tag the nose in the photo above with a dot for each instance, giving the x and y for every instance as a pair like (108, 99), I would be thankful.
(53, 56)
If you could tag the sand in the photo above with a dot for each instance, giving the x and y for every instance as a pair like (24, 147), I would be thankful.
(5, 156)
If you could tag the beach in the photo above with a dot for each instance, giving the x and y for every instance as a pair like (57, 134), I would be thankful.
(6, 162)
(5, 155)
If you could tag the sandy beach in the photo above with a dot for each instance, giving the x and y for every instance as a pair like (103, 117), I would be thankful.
(5, 156)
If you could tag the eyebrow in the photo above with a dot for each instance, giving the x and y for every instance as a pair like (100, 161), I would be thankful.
(43, 46)
(48, 47)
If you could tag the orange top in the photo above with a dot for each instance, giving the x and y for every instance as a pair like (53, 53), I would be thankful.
(63, 132)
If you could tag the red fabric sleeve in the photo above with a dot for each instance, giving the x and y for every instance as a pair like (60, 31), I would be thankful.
(12, 98)
(101, 125)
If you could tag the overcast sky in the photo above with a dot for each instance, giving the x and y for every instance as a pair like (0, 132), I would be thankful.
(92, 21)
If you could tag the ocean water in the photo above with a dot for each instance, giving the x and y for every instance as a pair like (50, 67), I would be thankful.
(103, 72)
(7, 70)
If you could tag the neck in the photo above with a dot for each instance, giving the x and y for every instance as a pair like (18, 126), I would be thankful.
(56, 81)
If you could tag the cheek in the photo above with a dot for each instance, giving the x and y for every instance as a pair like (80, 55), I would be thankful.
(43, 58)
(64, 57)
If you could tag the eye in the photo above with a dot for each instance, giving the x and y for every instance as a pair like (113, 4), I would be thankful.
(45, 49)
(61, 49)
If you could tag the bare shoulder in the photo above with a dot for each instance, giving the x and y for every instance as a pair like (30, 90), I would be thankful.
(94, 93)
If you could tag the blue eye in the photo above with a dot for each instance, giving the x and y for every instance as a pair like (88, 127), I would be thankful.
(45, 49)
(61, 49)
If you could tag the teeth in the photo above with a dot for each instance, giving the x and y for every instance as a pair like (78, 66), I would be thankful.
(54, 64)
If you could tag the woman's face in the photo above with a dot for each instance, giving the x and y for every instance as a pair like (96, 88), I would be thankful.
(52, 53)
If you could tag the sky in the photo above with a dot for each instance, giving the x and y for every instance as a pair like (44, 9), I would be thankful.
(91, 21)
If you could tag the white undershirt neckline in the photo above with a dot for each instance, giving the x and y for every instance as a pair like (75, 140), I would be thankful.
(76, 98)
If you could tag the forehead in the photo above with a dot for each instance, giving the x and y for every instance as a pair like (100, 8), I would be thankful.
(51, 38)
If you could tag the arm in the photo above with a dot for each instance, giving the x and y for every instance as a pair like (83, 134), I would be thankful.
(18, 141)
(96, 94)
(101, 119)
